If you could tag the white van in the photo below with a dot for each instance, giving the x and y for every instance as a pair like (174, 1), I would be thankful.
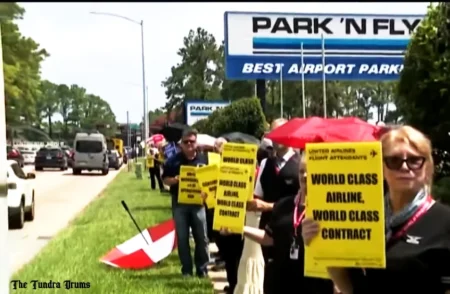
(90, 153)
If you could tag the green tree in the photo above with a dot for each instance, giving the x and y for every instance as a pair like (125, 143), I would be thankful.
(423, 90)
(64, 96)
(48, 103)
(77, 96)
(21, 62)
(201, 74)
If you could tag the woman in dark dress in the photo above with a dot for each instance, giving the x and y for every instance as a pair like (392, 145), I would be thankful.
(417, 227)
(283, 232)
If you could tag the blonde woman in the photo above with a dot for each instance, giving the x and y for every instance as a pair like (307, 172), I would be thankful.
(417, 227)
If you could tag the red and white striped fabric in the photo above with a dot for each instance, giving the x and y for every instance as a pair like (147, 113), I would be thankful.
(137, 254)
(155, 139)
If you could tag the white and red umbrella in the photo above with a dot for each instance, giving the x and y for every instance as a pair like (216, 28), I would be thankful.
(155, 139)
(135, 253)
(204, 140)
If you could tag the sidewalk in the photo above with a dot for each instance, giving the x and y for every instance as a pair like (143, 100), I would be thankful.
(218, 279)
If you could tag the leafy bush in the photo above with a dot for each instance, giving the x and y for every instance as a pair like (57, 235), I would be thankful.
(202, 126)
(441, 190)
(244, 115)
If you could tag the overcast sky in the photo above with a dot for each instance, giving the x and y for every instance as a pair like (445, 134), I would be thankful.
(103, 54)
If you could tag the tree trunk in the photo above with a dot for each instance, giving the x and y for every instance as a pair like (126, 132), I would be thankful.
(50, 129)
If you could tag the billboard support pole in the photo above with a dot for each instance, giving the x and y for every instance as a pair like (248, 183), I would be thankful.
(303, 82)
(261, 93)
(281, 92)
(324, 82)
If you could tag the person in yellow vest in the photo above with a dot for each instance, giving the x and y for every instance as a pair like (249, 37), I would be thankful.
(154, 168)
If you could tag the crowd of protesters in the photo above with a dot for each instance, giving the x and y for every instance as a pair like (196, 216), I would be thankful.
(275, 222)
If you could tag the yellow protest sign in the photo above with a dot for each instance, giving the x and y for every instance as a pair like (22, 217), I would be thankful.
(315, 269)
(150, 161)
(345, 195)
(213, 158)
(231, 197)
(242, 154)
(207, 179)
(188, 188)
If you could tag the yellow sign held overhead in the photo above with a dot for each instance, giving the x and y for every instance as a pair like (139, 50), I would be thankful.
(345, 188)
(213, 158)
(244, 155)
(188, 189)
(231, 198)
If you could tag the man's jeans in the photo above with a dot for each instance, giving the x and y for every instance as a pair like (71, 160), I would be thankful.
(194, 217)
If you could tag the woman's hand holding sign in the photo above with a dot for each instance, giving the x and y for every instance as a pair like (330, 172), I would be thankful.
(204, 195)
(310, 229)
(259, 205)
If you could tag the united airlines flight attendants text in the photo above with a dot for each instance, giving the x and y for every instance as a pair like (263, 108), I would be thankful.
(417, 227)
(278, 178)
(283, 234)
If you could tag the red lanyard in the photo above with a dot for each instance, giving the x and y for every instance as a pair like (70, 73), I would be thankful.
(419, 213)
(297, 218)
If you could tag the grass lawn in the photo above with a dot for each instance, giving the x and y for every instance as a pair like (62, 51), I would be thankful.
(74, 254)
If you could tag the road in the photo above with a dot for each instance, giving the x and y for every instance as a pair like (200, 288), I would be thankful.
(59, 197)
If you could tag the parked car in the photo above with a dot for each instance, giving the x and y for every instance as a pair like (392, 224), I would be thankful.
(129, 152)
(28, 154)
(125, 156)
(15, 154)
(69, 154)
(115, 161)
(21, 202)
(49, 157)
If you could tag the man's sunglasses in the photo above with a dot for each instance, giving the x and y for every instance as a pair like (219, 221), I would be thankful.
(396, 162)
(186, 142)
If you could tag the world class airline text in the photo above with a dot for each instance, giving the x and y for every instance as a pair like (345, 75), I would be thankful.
(309, 68)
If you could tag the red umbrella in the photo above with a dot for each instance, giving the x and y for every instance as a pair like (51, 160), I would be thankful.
(297, 132)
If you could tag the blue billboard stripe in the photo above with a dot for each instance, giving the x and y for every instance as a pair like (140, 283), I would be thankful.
(200, 113)
(330, 44)
(318, 52)
(351, 68)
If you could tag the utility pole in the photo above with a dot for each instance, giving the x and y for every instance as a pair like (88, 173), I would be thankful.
(4, 256)
(128, 130)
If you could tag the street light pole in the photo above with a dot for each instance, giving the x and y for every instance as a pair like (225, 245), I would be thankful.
(144, 87)
(141, 23)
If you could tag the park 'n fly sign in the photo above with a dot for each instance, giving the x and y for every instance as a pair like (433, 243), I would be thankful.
(197, 110)
(356, 47)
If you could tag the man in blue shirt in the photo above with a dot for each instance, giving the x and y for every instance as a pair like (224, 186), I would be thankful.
(187, 215)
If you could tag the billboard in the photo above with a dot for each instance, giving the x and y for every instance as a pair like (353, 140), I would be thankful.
(356, 46)
(197, 110)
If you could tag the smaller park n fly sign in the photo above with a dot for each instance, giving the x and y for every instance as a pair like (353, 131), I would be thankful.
(197, 110)
(355, 46)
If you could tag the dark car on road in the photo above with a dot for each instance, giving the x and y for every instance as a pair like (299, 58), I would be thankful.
(125, 156)
(115, 161)
(15, 154)
(51, 157)
(69, 154)
(130, 152)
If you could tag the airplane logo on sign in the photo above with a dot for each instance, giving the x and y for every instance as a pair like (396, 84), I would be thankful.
(373, 153)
